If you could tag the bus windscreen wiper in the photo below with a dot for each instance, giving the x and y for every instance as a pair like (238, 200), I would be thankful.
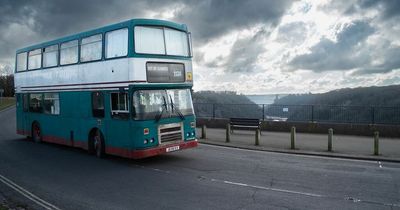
(164, 107)
(176, 109)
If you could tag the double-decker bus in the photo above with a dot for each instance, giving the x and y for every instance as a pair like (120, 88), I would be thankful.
(123, 89)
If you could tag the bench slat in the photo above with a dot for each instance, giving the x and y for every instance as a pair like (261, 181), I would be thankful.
(245, 123)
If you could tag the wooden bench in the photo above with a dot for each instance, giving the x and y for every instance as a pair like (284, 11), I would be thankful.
(245, 123)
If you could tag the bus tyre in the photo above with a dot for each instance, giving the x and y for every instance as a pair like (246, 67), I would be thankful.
(36, 133)
(98, 144)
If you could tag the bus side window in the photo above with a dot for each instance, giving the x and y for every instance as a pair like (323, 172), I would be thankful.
(98, 104)
(51, 103)
(36, 103)
(25, 102)
(119, 105)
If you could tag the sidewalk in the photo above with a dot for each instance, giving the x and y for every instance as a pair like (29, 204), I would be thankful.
(354, 147)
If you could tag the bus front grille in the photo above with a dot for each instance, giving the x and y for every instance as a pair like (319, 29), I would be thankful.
(170, 132)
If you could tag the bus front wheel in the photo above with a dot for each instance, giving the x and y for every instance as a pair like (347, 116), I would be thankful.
(36, 132)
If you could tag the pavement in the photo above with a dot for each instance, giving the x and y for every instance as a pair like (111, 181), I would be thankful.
(206, 177)
(344, 146)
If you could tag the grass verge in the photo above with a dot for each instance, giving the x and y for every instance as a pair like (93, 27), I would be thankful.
(6, 102)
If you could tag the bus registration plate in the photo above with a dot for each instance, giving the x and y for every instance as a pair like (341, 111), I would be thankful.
(171, 149)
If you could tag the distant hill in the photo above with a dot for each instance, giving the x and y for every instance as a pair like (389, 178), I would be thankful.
(362, 96)
(219, 105)
(220, 97)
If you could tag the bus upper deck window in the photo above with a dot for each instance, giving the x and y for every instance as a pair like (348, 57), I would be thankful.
(116, 43)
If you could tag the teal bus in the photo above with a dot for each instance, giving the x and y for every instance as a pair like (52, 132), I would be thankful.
(123, 89)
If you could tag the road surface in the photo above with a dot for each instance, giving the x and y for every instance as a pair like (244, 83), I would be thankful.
(207, 177)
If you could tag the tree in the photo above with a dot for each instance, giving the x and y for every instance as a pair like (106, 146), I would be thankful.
(5, 70)
(7, 84)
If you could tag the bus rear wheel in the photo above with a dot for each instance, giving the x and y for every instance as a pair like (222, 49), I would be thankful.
(36, 133)
(97, 144)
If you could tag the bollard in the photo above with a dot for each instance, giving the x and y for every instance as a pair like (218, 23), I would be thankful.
(228, 133)
(376, 143)
(330, 136)
(203, 132)
(293, 138)
(257, 142)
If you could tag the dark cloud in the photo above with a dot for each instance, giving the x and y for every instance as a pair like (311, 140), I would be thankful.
(24, 23)
(244, 54)
(343, 54)
(387, 8)
(351, 52)
(74, 15)
(29, 22)
(212, 18)
(58, 17)
(15, 18)
(242, 57)
(390, 61)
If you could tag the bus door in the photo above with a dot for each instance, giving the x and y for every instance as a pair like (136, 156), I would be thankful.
(22, 122)
(98, 110)
(118, 127)
(20, 114)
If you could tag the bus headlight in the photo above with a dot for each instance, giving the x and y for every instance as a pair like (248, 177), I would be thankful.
(189, 76)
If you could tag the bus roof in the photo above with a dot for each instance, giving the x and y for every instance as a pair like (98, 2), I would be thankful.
(128, 23)
(161, 85)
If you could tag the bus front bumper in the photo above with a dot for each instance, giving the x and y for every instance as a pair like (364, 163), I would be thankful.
(139, 154)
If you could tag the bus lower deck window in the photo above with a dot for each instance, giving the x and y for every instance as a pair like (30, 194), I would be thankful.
(119, 105)
(51, 103)
(35, 103)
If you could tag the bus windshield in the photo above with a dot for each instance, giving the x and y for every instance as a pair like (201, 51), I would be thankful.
(161, 41)
(153, 104)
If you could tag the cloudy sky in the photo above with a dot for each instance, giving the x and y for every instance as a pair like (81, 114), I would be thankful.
(252, 47)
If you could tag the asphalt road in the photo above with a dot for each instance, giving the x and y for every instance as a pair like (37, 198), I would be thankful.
(207, 177)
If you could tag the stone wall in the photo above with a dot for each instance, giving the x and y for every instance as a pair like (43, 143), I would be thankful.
(313, 127)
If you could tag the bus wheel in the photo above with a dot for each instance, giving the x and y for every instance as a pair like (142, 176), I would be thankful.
(36, 133)
(98, 144)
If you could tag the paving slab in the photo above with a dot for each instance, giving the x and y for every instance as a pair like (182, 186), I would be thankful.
(358, 147)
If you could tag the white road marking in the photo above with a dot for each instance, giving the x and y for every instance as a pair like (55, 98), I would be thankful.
(160, 170)
(355, 200)
(268, 188)
(150, 168)
(28, 194)
(380, 164)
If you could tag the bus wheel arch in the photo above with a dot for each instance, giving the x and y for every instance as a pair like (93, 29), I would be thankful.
(36, 132)
(96, 143)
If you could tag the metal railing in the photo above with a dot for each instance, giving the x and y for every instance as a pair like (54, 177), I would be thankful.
(302, 113)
